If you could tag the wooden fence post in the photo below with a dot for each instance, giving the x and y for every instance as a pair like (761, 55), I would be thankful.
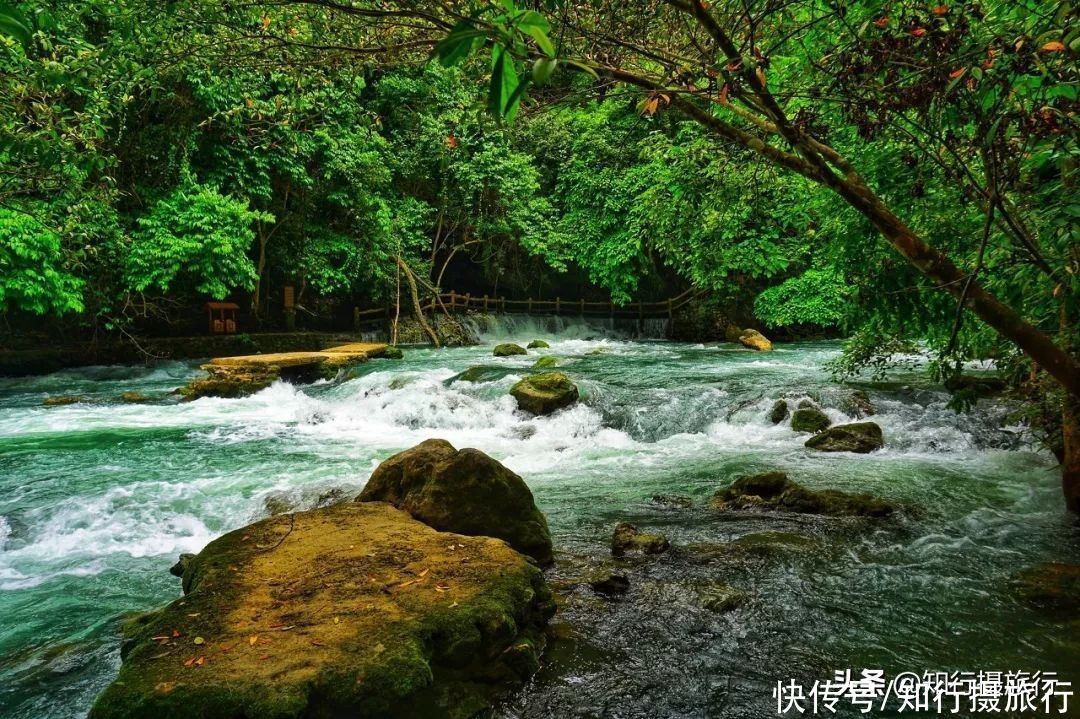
(557, 301)
(583, 307)
(529, 310)
(468, 298)
(356, 318)
(670, 310)
(485, 303)
(453, 299)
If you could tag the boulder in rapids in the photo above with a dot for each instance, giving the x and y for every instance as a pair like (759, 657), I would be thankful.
(611, 585)
(537, 344)
(755, 340)
(134, 398)
(463, 491)
(1053, 586)
(861, 437)
(392, 352)
(858, 405)
(809, 419)
(352, 610)
(627, 538)
(545, 393)
(508, 349)
(773, 490)
(546, 362)
(721, 598)
(479, 373)
(62, 399)
(779, 411)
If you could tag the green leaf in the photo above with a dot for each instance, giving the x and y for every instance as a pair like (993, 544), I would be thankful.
(540, 36)
(458, 44)
(542, 69)
(14, 24)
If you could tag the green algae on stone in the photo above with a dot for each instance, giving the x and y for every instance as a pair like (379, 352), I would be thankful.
(463, 491)
(773, 490)
(537, 344)
(779, 411)
(508, 349)
(545, 362)
(391, 352)
(544, 393)
(809, 419)
(62, 399)
(351, 610)
(627, 538)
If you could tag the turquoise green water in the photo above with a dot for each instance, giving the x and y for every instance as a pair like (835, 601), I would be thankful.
(98, 498)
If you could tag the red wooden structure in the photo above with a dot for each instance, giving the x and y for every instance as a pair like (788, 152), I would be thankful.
(225, 321)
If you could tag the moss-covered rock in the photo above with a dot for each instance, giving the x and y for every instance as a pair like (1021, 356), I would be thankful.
(62, 399)
(809, 419)
(779, 411)
(463, 491)
(720, 597)
(627, 538)
(773, 490)
(392, 352)
(858, 405)
(755, 341)
(545, 393)
(480, 373)
(1053, 586)
(546, 362)
(674, 501)
(861, 437)
(351, 610)
(230, 382)
(134, 398)
(537, 344)
(611, 584)
(508, 349)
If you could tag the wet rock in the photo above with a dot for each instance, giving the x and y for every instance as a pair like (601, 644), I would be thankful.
(1053, 586)
(278, 503)
(807, 403)
(480, 373)
(732, 333)
(611, 585)
(627, 538)
(351, 610)
(859, 405)
(675, 501)
(134, 398)
(178, 569)
(332, 496)
(545, 393)
(779, 411)
(463, 491)
(773, 490)
(755, 340)
(861, 437)
(772, 541)
(230, 382)
(722, 598)
(546, 362)
(809, 419)
(392, 352)
(63, 399)
(508, 349)
(599, 351)
(537, 344)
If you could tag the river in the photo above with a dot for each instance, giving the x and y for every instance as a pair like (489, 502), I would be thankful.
(97, 499)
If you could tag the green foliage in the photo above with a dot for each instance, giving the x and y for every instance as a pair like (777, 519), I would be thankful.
(816, 297)
(195, 237)
(32, 276)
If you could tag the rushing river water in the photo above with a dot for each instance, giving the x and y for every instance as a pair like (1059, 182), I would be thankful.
(98, 498)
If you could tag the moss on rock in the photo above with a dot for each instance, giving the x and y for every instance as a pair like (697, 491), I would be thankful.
(779, 411)
(627, 538)
(62, 399)
(350, 610)
(773, 490)
(755, 341)
(809, 419)
(462, 491)
(1052, 586)
(546, 362)
(545, 393)
(508, 349)
(861, 437)
(537, 344)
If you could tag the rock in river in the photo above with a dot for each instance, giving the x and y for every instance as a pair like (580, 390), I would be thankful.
(861, 437)
(537, 344)
(352, 610)
(463, 491)
(779, 411)
(773, 490)
(508, 349)
(544, 393)
(809, 419)
(1052, 586)
(546, 362)
(627, 538)
(755, 341)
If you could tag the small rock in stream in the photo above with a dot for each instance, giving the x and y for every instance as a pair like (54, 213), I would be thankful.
(773, 490)
(611, 585)
(860, 437)
(627, 538)
(675, 501)
(722, 598)
(779, 411)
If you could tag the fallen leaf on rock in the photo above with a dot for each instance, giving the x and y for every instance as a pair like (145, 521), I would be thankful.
(253, 639)
(200, 661)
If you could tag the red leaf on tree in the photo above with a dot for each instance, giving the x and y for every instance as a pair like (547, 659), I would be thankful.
(724, 94)
(882, 21)
(1053, 46)
(451, 142)
(919, 31)
(941, 10)
(958, 73)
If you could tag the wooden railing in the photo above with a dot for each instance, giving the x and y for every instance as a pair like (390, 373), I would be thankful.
(454, 302)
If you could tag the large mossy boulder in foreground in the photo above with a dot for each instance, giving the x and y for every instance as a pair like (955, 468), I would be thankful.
(773, 490)
(544, 393)
(809, 419)
(463, 491)
(861, 437)
(508, 349)
(352, 610)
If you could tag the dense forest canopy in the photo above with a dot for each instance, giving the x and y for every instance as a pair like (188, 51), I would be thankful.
(161, 151)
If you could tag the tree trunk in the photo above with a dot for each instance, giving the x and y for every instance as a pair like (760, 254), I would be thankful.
(1070, 461)
(417, 310)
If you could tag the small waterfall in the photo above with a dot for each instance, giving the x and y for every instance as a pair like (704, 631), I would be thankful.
(492, 327)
